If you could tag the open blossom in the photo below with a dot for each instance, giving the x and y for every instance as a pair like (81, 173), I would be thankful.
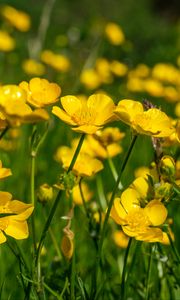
(85, 165)
(140, 219)
(152, 122)
(40, 92)
(86, 116)
(7, 43)
(18, 19)
(14, 108)
(13, 216)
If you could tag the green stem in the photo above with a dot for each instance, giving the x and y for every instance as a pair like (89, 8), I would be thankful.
(72, 286)
(175, 251)
(123, 280)
(83, 199)
(114, 193)
(56, 202)
(113, 171)
(149, 272)
(52, 292)
(4, 132)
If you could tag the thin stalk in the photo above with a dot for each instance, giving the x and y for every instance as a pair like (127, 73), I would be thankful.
(175, 251)
(56, 202)
(123, 280)
(4, 132)
(114, 171)
(149, 273)
(114, 193)
(52, 292)
(72, 279)
(83, 199)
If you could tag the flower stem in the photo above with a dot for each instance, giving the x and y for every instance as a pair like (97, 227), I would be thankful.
(123, 280)
(4, 132)
(114, 192)
(56, 202)
(114, 171)
(112, 200)
(149, 272)
(175, 251)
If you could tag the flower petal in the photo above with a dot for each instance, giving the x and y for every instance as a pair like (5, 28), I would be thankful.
(17, 229)
(71, 104)
(156, 212)
(57, 111)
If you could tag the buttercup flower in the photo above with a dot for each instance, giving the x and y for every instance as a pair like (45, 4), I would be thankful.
(102, 144)
(58, 62)
(14, 108)
(85, 165)
(33, 67)
(14, 214)
(7, 43)
(19, 19)
(76, 194)
(40, 92)
(114, 33)
(136, 221)
(86, 116)
(152, 122)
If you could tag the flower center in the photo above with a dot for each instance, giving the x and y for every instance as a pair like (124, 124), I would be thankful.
(83, 116)
(137, 220)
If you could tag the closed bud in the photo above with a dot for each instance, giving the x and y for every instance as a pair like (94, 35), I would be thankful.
(167, 168)
(45, 193)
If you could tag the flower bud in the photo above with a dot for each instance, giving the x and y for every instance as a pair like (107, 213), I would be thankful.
(167, 168)
(45, 193)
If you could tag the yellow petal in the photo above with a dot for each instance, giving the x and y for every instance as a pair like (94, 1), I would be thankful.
(130, 200)
(156, 212)
(127, 109)
(5, 197)
(116, 212)
(102, 107)
(71, 104)
(153, 122)
(22, 210)
(17, 229)
(141, 185)
(151, 235)
(57, 111)
(89, 129)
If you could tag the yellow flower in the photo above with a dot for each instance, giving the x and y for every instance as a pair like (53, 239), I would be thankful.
(19, 19)
(114, 34)
(167, 168)
(40, 92)
(4, 172)
(90, 78)
(76, 195)
(102, 144)
(32, 67)
(14, 108)
(13, 217)
(152, 122)
(7, 43)
(86, 116)
(45, 193)
(57, 61)
(117, 68)
(103, 69)
(120, 239)
(153, 87)
(85, 165)
(136, 221)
